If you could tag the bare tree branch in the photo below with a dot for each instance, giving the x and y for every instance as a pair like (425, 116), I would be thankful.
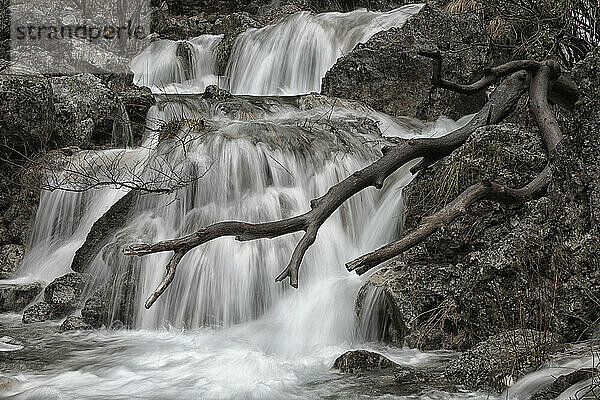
(501, 104)
(551, 137)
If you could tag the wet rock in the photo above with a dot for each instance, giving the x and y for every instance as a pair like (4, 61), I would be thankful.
(387, 74)
(361, 360)
(563, 383)
(10, 259)
(103, 231)
(65, 291)
(96, 309)
(73, 323)
(113, 302)
(502, 359)
(61, 297)
(377, 375)
(137, 100)
(39, 312)
(215, 93)
(14, 297)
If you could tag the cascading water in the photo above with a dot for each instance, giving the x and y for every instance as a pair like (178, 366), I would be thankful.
(168, 65)
(293, 56)
(256, 159)
(288, 58)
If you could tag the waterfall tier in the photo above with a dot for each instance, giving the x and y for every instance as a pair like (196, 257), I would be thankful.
(288, 58)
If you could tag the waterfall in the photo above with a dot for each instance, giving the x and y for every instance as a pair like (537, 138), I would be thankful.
(245, 158)
(178, 66)
(287, 58)
(263, 164)
(293, 56)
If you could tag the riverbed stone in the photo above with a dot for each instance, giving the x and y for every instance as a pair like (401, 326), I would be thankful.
(14, 297)
(362, 360)
(74, 323)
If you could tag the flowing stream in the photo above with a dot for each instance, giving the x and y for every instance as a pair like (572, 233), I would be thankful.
(224, 329)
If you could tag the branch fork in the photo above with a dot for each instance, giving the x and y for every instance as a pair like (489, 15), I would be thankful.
(541, 79)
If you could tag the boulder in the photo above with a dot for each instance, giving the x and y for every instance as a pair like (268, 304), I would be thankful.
(11, 256)
(377, 375)
(14, 297)
(387, 74)
(65, 291)
(73, 323)
(499, 361)
(39, 312)
(61, 297)
(362, 360)
(85, 110)
(428, 293)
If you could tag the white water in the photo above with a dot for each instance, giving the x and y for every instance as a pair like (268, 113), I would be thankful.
(293, 56)
(270, 341)
(224, 329)
(288, 58)
(159, 65)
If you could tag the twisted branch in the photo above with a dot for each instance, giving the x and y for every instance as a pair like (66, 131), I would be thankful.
(551, 137)
(501, 103)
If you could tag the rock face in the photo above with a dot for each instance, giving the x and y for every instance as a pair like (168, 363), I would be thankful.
(430, 293)
(14, 297)
(501, 268)
(502, 359)
(11, 256)
(387, 74)
(27, 117)
(361, 360)
(41, 114)
(85, 110)
(61, 298)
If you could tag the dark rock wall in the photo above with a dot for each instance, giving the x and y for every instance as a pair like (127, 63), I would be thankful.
(499, 267)
(387, 73)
